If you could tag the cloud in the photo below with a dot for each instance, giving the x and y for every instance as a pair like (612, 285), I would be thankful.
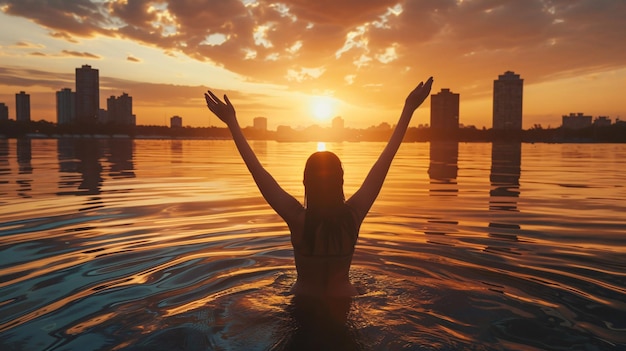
(145, 95)
(132, 58)
(465, 44)
(28, 45)
(80, 54)
(64, 36)
(21, 77)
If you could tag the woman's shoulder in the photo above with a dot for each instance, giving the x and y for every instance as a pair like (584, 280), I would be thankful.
(356, 210)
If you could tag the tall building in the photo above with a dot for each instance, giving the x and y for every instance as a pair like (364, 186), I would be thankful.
(4, 112)
(22, 107)
(507, 101)
(120, 110)
(444, 110)
(176, 122)
(87, 96)
(260, 123)
(66, 106)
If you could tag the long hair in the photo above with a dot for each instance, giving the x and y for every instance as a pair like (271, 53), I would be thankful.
(328, 219)
(323, 182)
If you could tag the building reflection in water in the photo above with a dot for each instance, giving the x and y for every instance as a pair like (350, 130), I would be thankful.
(442, 171)
(259, 147)
(443, 168)
(80, 169)
(88, 154)
(68, 166)
(25, 168)
(5, 167)
(176, 151)
(121, 158)
(79, 156)
(506, 158)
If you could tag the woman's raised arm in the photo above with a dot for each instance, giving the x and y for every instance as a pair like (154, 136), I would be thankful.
(282, 202)
(363, 198)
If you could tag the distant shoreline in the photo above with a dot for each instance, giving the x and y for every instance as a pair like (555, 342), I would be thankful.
(615, 133)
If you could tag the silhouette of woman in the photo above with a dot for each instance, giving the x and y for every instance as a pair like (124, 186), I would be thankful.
(324, 231)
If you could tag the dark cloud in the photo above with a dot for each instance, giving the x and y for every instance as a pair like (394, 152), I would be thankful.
(79, 17)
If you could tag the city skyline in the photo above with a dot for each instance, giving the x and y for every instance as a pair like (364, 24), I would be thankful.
(507, 107)
(305, 63)
(445, 110)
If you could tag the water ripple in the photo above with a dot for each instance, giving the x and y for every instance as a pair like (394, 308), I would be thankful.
(141, 246)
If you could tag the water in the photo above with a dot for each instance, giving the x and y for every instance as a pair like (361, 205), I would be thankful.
(119, 244)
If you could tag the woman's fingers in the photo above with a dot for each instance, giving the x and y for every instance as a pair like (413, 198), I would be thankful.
(214, 99)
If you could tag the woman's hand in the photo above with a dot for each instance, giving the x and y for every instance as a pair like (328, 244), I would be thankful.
(418, 95)
(224, 111)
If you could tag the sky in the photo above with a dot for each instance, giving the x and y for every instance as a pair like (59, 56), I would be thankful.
(300, 62)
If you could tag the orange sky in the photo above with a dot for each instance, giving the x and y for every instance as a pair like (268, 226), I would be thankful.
(358, 57)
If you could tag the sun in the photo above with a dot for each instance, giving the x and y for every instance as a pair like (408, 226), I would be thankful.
(322, 107)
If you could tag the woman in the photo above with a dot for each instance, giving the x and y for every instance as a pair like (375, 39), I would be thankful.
(325, 230)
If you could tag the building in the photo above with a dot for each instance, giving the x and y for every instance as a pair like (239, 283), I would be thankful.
(176, 122)
(260, 123)
(576, 121)
(508, 92)
(87, 96)
(22, 107)
(602, 121)
(4, 112)
(66, 106)
(120, 110)
(111, 107)
(338, 123)
(444, 110)
(103, 115)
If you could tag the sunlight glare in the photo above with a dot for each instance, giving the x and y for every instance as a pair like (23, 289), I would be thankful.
(321, 146)
(322, 107)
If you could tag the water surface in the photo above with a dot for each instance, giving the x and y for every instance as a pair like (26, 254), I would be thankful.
(120, 244)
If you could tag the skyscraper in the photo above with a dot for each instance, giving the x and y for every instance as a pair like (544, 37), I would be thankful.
(507, 101)
(22, 107)
(444, 110)
(4, 112)
(66, 106)
(260, 123)
(87, 96)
